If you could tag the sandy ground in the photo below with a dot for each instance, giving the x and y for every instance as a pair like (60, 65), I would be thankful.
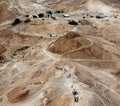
(42, 62)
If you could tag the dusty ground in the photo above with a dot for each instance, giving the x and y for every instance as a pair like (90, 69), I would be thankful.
(42, 62)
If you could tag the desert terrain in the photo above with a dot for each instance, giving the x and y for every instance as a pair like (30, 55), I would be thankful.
(59, 53)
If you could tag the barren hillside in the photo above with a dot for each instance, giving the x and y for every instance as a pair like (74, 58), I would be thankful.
(59, 53)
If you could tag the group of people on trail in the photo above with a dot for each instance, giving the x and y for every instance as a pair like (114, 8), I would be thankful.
(75, 94)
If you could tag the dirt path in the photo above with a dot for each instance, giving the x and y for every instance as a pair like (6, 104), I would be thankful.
(86, 46)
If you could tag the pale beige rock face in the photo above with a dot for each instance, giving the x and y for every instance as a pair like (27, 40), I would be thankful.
(43, 61)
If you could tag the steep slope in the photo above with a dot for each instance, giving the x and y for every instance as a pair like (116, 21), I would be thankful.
(85, 5)
(7, 10)
(113, 3)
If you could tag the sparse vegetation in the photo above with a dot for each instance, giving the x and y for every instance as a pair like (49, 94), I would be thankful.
(72, 22)
(16, 21)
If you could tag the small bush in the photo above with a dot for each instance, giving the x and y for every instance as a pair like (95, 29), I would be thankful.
(16, 22)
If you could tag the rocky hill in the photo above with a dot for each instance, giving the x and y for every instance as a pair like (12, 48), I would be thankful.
(59, 53)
